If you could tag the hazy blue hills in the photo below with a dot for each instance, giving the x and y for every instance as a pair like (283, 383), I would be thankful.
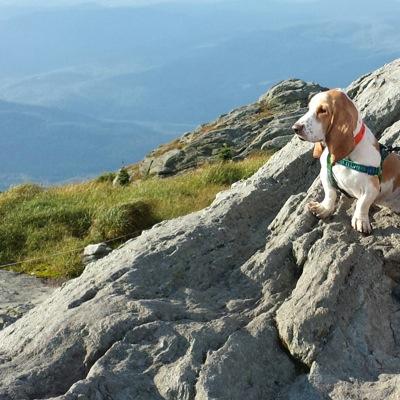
(131, 72)
(49, 145)
(203, 83)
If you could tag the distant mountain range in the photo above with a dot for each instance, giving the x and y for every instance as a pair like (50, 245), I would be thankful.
(197, 84)
(50, 145)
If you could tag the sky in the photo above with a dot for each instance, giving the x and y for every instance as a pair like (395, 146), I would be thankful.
(105, 3)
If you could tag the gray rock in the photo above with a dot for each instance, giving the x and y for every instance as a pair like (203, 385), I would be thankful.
(390, 136)
(251, 298)
(18, 294)
(160, 165)
(291, 91)
(277, 133)
(378, 97)
(223, 374)
(340, 319)
(94, 252)
(277, 143)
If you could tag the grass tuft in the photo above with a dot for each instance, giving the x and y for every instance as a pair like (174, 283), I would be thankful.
(121, 220)
(223, 173)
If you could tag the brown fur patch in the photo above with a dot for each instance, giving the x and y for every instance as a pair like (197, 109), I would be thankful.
(318, 150)
(338, 116)
(391, 170)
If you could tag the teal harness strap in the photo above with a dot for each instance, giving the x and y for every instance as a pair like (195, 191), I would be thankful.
(373, 171)
(359, 167)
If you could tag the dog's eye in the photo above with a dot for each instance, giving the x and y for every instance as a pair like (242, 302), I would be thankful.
(321, 110)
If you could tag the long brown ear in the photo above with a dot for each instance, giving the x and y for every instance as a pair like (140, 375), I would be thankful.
(339, 138)
(318, 150)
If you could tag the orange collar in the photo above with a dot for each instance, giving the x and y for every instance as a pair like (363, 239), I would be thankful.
(360, 135)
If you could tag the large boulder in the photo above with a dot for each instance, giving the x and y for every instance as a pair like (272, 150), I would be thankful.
(290, 92)
(378, 96)
(250, 298)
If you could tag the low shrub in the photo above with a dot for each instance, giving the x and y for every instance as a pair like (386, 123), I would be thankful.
(225, 153)
(121, 220)
(106, 177)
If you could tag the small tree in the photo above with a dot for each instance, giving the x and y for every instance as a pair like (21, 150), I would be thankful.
(122, 177)
(225, 153)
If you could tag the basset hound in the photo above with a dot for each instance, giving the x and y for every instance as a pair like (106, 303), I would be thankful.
(334, 124)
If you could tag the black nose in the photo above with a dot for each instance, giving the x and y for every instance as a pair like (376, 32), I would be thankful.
(298, 128)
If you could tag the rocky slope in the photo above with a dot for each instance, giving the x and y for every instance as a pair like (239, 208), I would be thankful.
(265, 124)
(251, 298)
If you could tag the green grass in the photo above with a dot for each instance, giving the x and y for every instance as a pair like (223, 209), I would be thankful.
(39, 222)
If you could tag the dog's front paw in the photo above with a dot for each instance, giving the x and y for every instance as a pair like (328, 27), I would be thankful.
(361, 224)
(319, 210)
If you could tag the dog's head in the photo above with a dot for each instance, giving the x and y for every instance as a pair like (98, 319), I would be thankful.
(331, 119)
